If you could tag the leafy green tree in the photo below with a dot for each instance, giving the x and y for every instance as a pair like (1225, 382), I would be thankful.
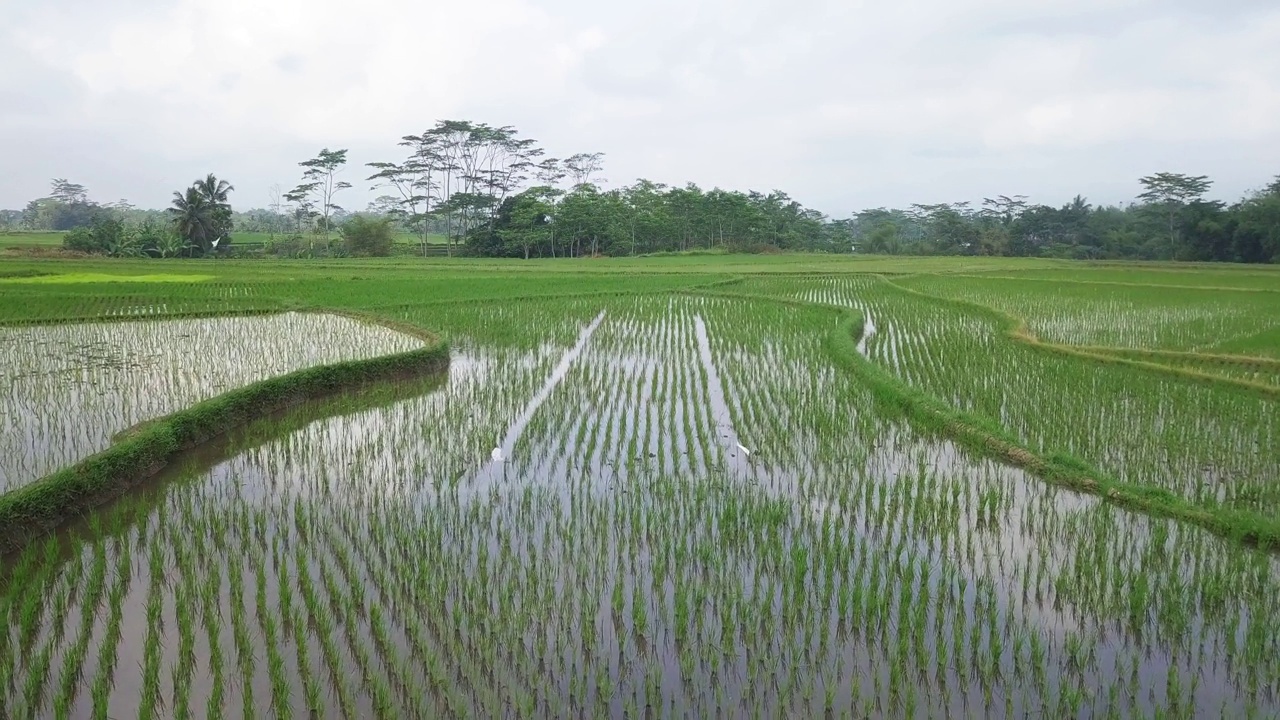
(883, 240)
(528, 225)
(648, 220)
(67, 207)
(993, 240)
(1256, 236)
(81, 239)
(106, 235)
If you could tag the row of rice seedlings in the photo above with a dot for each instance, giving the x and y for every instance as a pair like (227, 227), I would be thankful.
(1082, 313)
(848, 567)
(65, 390)
(50, 302)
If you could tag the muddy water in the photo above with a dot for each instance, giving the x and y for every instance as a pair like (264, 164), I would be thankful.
(623, 561)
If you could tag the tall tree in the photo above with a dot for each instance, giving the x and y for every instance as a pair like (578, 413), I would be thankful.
(320, 184)
(193, 218)
(215, 193)
(1172, 192)
(1004, 208)
(549, 173)
(68, 192)
(582, 166)
(303, 210)
(276, 207)
(67, 207)
(507, 162)
(457, 168)
(414, 181)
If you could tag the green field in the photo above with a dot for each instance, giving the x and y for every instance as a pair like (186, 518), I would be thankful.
(401, 238)
(790, 485)
(25, 239)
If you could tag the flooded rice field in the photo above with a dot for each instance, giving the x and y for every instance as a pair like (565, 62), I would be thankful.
(66, 390)
(632, 507)
(1213, 445)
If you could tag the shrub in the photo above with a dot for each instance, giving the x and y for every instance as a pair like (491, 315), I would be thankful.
(81, 239)
(105, 235)
(368, 237)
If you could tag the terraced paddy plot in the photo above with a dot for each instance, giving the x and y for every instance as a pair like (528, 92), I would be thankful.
(1212, 445)
(65, 390)
(1153, 317)
(694, 513)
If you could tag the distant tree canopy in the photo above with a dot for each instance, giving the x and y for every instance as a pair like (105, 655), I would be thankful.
(109, 235)
(647, 217)
(490, 192)
(66, 207)
(1170, 221)
(197, 223)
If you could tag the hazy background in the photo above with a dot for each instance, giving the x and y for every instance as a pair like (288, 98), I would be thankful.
(845, 105)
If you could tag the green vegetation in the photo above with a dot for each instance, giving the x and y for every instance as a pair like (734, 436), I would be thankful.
(368, 237)
(30, 238)
(201, 217)
(1172, 220)
(117, 375)
(487, 192)
(93, 277)
(46, 503)
(708, 484)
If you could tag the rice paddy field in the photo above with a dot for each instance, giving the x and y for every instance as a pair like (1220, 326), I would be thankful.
(787, 486)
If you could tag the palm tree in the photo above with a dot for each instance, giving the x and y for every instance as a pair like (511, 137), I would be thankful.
(202, 214)
(215, 193)
(194, 217)
(214, 190)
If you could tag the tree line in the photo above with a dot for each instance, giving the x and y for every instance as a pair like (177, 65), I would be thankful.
(484, 190)
(1170, 220)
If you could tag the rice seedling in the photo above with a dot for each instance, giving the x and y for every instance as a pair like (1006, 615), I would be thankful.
(697, 510)
(118, 375)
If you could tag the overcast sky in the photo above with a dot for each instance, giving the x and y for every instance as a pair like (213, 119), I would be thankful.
(843, 104)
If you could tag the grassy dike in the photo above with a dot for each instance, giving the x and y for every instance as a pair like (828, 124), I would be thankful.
(28, 512)
(143, 499)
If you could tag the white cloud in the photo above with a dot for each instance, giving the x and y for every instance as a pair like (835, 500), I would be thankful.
(843, 104)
